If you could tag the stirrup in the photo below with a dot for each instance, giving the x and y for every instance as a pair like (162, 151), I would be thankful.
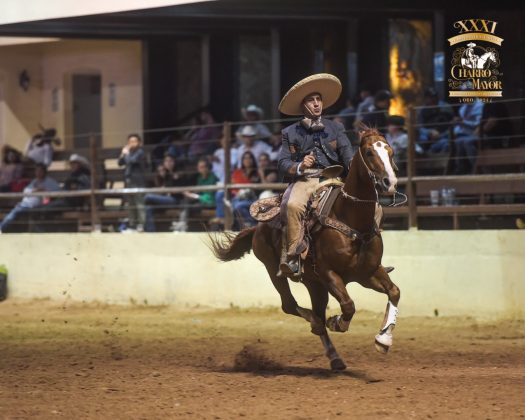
(291, 268)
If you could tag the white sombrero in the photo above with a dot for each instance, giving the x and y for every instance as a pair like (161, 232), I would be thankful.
(325, 84)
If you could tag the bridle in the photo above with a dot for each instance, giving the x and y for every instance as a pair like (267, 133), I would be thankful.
(375, 182)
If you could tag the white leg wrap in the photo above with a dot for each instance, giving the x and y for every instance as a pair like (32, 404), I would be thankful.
(391, 318)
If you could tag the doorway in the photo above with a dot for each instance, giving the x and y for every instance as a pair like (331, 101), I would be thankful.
(87, 109)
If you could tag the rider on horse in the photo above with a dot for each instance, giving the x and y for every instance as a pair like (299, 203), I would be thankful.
(309, 145)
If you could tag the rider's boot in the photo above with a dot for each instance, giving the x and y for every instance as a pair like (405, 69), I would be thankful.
(290, 266)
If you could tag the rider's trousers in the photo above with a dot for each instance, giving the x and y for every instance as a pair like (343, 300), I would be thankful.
(299, 194)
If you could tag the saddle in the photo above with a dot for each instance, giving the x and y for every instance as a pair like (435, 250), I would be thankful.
(319, 206)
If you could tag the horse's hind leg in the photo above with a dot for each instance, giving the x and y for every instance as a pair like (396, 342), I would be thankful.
(381, 282)
(319, 298)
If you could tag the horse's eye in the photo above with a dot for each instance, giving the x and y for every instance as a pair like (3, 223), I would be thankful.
(369, 153)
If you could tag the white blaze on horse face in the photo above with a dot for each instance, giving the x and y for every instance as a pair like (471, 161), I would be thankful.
(382, 151)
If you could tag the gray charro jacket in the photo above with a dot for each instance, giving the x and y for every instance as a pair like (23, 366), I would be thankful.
(330, 147)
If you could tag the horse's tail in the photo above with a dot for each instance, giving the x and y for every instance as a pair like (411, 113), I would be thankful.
(230, 246)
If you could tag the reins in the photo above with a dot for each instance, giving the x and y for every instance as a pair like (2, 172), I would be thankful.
(373, 177)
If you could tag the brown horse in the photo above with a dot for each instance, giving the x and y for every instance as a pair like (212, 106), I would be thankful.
(336, 258)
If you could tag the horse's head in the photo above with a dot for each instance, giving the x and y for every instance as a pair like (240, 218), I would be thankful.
(377, 156)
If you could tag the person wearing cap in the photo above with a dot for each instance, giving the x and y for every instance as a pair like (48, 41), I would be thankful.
(377, 114)
(313, 142)
(252, 114)
(78, 179)
(250, 143)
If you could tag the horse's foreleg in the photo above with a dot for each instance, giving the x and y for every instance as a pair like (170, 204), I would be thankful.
(337, 289)
(381, 282)
(319, 298)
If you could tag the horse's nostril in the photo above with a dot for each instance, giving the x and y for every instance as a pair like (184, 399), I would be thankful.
(386, 182)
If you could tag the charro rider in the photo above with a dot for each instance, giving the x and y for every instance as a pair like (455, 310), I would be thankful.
(472, 57)
(313, 142)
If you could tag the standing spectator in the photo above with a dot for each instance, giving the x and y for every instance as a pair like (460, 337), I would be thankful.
(242, 199)
(134, 160)
(11, 169)
(194, 202)
(249, 143)
(466, 135)
(252, 115)
(376, 115)
(434, 122)
(39, 148)
(165, 176)
(218, 160)
(42, 182)
(203, 139)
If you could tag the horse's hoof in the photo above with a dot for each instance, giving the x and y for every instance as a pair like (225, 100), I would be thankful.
(337, 324)
(337, 364)
(381, 348)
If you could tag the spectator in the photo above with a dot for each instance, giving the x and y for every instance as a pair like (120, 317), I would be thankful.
(39, 148)
(194, 202)
(434, 121)
(249, 143)
(347, 115)
(203, 139)
(242, 199)
(466, 135)
(496, 127)
(42, 182)
(11, 169)
(78, 179)
(375, 116)
(134, 160)
(165, 176)
(398, 139)
(252, 115)
(366, 100)
(218, 160)
(265, 167)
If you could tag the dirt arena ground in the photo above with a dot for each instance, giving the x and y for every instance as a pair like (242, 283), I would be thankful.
(93, 361)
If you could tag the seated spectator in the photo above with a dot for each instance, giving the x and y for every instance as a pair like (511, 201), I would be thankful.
(375, 116)
(397, 137)
(366, 100)
(165, 176)
(276, 142)
(78, 179)
(11, 169)
(466, 135)
(241, 199)
(39, 149)
(218, 160)
(433, 123)
(347, 115)
(193, 202)
(252, 115)
(249, 143)
(42, 182)
(265, 167)
(496, 127)
(203, 139)
(133, 159)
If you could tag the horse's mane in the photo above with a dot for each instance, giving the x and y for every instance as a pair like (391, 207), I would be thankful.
(367, 131)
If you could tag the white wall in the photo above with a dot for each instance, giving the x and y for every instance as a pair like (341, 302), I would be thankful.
(471, 273)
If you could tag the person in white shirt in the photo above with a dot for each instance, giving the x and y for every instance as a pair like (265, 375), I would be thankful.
(249, 143)
(218, 160)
